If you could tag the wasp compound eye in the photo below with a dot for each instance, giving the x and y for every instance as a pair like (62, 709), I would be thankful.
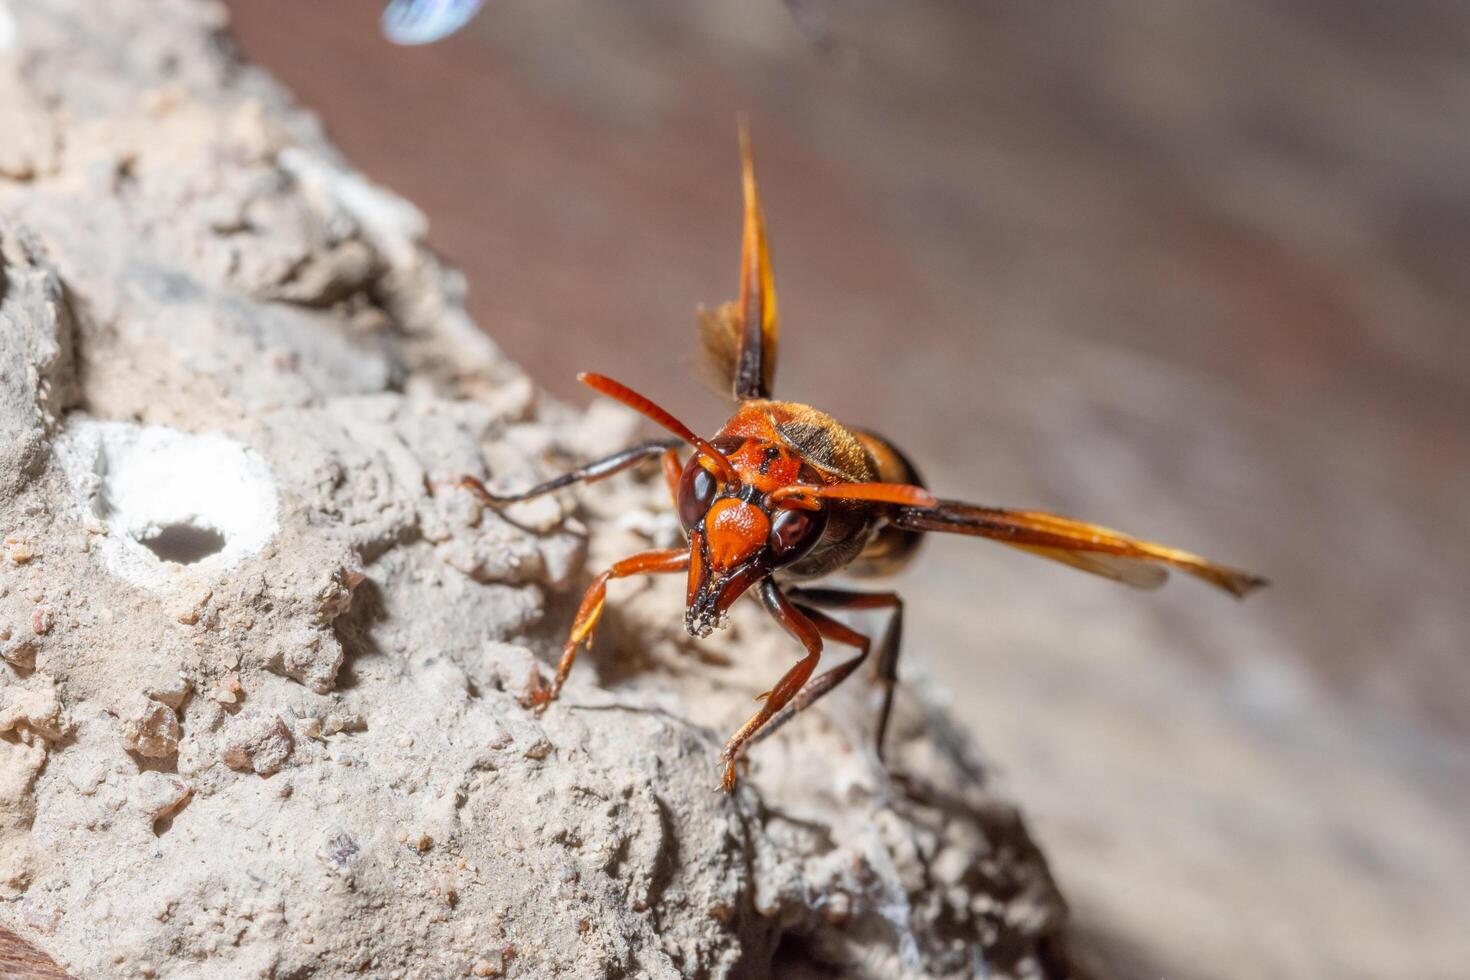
(697, 490)
(794, 532)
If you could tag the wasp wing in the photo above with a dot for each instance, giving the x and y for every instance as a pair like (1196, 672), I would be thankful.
(737, 340)
(1095, 549)
(755, 364)
(719, 347)
(426, 21)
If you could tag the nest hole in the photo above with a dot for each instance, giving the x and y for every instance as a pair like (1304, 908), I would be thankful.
(183, 544)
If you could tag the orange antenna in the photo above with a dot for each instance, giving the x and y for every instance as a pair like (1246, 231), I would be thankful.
(806, 496)
(645, 406)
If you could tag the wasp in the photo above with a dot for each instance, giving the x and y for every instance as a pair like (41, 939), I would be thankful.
(784, 494)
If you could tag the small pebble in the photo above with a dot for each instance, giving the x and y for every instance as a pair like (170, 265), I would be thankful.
(18, 551)
(42, 619)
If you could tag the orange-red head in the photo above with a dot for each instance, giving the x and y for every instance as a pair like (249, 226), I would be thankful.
(734, 530)
(738, 534)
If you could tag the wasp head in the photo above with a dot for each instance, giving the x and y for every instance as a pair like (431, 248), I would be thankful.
(738, 535)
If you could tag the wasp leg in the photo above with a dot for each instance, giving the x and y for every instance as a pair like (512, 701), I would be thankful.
(673, 470)
(590, 472)
(888, 647)
(795, 622)
(822, 683)
(590, 611)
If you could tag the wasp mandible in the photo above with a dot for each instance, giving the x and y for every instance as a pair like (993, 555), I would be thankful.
(785, 494)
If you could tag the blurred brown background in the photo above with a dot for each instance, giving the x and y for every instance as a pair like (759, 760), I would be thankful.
(1199, 271)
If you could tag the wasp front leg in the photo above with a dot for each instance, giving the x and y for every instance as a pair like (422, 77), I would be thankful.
(820, 686)
(593, 601)
(800, 626)
(886, 669)
(673, 470)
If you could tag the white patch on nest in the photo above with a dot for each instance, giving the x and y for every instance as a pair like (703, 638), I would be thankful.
(175, 508)
(9, 35)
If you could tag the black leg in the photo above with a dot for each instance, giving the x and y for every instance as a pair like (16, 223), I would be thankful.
(590, 472)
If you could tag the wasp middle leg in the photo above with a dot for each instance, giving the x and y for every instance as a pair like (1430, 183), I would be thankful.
(598, 469)
(593, 601)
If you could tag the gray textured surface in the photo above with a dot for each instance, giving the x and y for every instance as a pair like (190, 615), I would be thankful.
(308, 756)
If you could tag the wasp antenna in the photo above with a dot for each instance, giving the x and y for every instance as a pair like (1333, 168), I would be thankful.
(645, 406)
(902, 494)
(888, 493)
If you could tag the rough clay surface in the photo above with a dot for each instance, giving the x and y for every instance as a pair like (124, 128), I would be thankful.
(305, 755)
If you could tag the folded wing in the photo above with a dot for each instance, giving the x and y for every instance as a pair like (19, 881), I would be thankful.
(1099, 550)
